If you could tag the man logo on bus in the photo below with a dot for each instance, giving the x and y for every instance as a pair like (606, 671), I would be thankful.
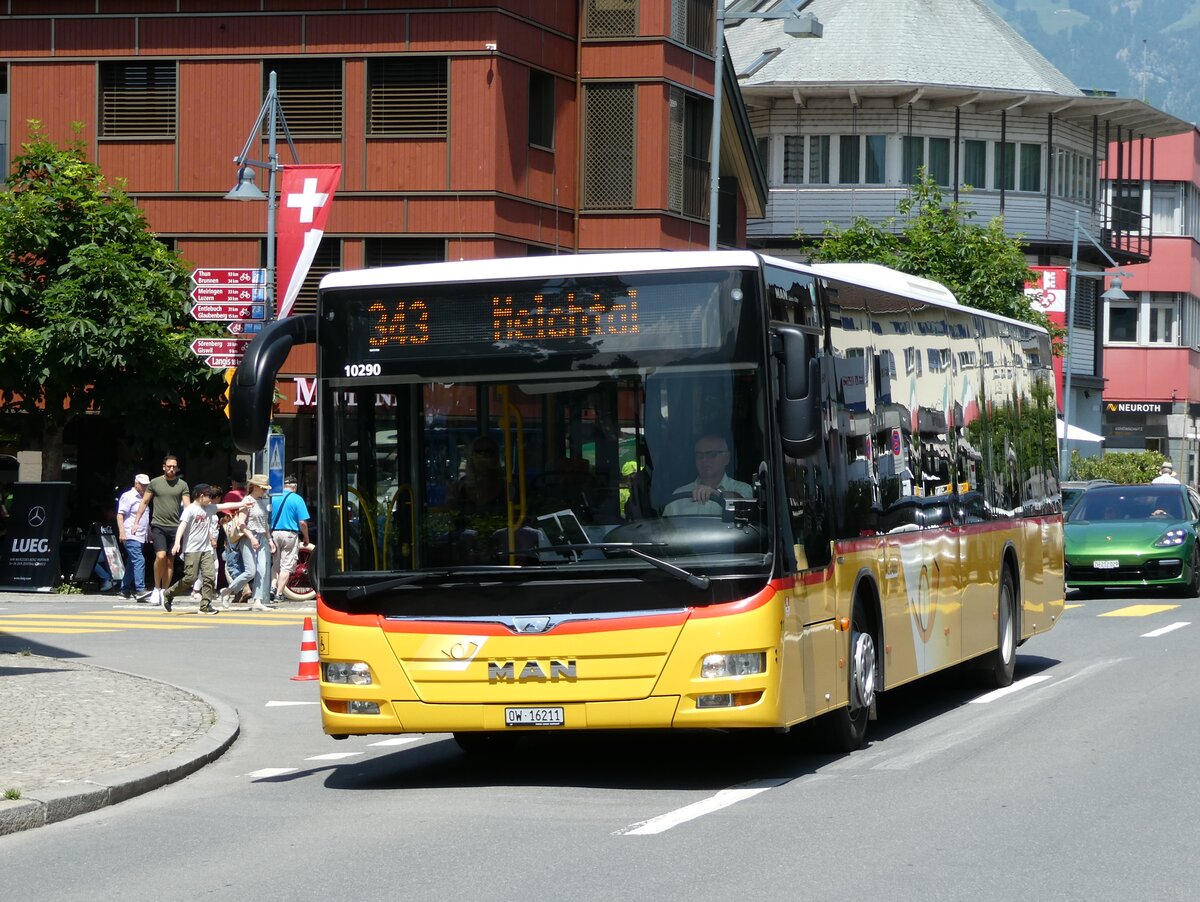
(506, 671)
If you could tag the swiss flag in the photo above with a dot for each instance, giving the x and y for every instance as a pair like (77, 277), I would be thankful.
(306, 192)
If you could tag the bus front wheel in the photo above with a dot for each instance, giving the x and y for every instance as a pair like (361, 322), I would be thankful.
(848, 726)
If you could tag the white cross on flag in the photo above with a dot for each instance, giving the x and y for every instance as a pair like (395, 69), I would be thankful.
(306, 193)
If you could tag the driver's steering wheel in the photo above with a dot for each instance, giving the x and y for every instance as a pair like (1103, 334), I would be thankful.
(718, 497)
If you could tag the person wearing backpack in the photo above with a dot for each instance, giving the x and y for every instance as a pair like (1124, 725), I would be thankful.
(239, 557)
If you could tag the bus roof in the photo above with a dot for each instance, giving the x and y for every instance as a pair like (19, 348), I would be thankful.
(881, 278)
(502, 268)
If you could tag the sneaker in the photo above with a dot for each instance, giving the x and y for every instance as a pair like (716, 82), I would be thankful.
(207, 608)
(126, 595)
(274, 596)
(259, 606)
(144, 596)
(223, 599)
(166, 602)
(106, 586)
(197, 597)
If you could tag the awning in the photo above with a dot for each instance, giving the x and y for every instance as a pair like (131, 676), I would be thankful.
(1075, 434)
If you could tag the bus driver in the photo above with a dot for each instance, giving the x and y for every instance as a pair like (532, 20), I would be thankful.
(712, 457)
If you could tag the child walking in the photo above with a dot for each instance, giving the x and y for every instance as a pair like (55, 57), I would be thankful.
(197, 537)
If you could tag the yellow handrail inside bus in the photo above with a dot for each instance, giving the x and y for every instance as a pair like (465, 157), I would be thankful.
(515, 436)
(387, 527)
(368, 514)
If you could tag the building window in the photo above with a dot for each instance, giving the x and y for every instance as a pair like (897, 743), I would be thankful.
(876, 159)
(849, 167)
(913, 158)
(1163, 317)
(692, 23)
(764, 154)
(541, 109)
(975, 164)
(1004, 174)
(687, 163)
(327, 259)
(138, 100)
(818, 160)
(1123, 321)
(610, 18)
(793, 159)
(409, 97)
(1031, 167)
(1127, 208)
(1166, 207)
(608, 142)
(402, 251)
(939, 160)
(3, 117)
(310, 95)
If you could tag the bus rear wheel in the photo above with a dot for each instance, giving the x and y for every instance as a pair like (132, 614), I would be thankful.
(998, 666)
(847, 727)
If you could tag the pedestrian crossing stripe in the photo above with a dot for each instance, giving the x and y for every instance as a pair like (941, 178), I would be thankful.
(1139, 610)
(97, 625)
(1069, 607)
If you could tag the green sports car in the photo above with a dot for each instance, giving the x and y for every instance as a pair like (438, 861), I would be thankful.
(1127, 536)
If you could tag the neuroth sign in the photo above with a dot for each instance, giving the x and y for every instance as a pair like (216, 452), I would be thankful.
(306, 193)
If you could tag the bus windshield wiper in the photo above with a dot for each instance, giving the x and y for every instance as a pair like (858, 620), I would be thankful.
(692, 579)
(375, 588)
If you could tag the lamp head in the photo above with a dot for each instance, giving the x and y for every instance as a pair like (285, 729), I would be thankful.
(1115, 293)
(245, 189)
(803, 25)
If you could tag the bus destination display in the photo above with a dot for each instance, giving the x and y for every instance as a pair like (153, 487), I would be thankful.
(448, 321)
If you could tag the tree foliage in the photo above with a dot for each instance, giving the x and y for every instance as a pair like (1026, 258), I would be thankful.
(1123, 467)
(983, 266)
(93, 307)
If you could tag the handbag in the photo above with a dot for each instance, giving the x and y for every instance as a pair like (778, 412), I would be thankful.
(234, 529)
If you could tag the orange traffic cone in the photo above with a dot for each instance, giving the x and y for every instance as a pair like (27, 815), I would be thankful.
(309, 661)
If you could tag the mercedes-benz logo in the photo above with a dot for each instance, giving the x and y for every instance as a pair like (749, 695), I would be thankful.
(37, 516)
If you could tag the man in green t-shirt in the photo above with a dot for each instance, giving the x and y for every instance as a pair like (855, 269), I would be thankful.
(170, 495)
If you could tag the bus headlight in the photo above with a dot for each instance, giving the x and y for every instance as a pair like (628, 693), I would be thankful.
(727, 665)
(353, 673)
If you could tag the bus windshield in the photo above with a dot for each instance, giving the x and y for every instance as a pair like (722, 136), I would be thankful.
(508, 452)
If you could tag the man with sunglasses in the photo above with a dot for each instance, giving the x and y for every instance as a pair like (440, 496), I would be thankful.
(170, 495)
(712, 457)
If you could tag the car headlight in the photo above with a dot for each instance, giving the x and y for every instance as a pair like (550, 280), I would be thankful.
(1171, 538)
(727, 665)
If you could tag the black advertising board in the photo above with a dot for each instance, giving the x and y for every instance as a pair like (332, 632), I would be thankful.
(29, 559)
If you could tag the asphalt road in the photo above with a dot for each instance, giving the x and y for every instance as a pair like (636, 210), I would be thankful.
(1080, 783)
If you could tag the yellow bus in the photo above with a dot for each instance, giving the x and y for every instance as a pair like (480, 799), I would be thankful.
(699, 490)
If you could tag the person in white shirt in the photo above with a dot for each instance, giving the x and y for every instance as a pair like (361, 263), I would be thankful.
(133, 535)
(1166, 474)
(712, 458)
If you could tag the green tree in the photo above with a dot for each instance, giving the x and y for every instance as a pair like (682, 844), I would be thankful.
(983, 266)
(1123, 467)
(93, 308)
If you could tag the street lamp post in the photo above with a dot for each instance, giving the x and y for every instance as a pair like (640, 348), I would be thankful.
(1113, 294)
(795, 24)
(245, 189)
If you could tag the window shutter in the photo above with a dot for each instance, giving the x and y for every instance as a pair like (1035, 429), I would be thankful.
(310, 94)
(408, 97)
(138, 100)
(608, 141)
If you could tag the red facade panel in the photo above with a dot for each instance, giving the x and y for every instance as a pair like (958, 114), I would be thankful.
(640, 60)
(355, 34)
(354, 83)
(409, 164)
(145, 165)
(51, 7)
(652, 145)
(462, 31)
(1143, 374)
(94, 36)
(256, 35)
(1175, 266)
(219, 253)
(218, 102)
(56, 94)
(476, 133)
(25, 37)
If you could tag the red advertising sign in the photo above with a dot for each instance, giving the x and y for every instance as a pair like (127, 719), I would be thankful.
(202, 347)
(229, 276)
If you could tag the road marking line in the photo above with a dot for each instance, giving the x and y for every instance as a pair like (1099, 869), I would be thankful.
(1154, 634)
(1068, 607)
(722, 799)
(40, 630)
(334, 756)
(1009, 690)
(102, 624)
(271, 772)
(274, 704)
(399, 740)
(1139, 610)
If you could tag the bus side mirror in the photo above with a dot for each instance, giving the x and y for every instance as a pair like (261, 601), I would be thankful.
(252, 391)
(800, 390)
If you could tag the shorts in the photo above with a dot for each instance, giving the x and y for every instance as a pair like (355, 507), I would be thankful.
(163, 537)
(287, 550)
